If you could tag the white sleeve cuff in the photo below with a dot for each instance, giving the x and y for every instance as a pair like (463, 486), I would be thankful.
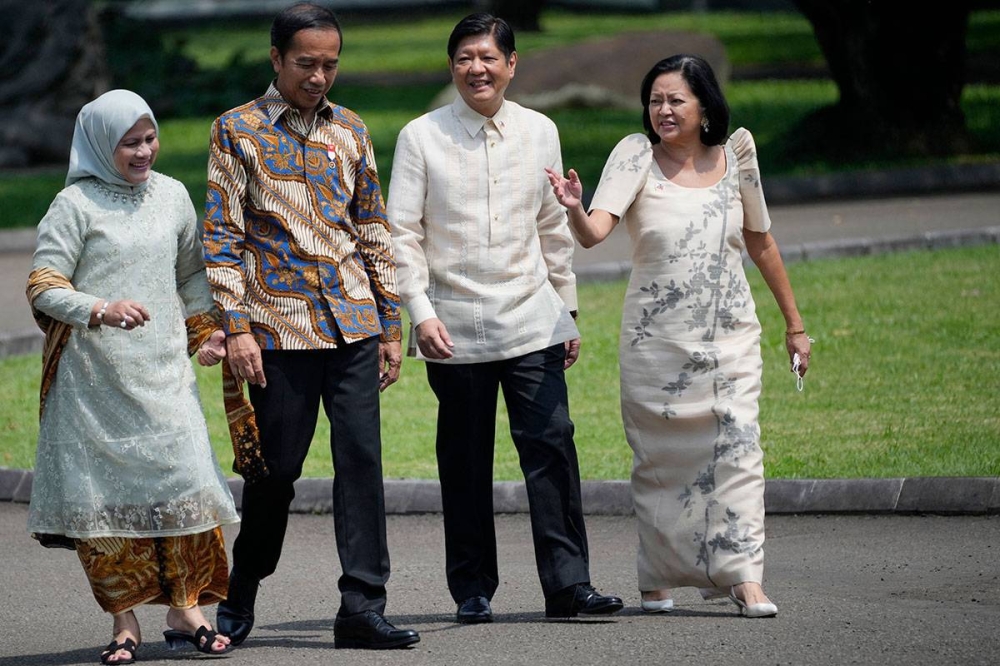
(420, 310)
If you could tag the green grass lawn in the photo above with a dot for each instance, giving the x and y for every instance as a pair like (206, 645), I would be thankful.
(904, 380)
(587, 135)
(418, 46)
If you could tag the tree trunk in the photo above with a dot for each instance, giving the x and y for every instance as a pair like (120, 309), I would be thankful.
(522, 15)
(53, 61)
(900, 72)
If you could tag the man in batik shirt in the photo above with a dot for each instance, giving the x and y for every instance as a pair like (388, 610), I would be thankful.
(300, 261)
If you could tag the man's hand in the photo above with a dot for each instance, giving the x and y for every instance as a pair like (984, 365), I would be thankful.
(213, 350)
(390, 358)
(572, 352)
(244, 358)
(433, 339)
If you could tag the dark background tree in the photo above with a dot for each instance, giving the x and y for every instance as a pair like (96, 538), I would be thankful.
(900, 72)
(521, 14)
(53, 63)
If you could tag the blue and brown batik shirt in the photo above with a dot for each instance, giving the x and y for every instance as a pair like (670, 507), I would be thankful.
(297, 245)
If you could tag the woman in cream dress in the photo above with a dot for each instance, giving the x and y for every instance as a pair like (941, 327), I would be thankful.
(690, 341)
(124, 472)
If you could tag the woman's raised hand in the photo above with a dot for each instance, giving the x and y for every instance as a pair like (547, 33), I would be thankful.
(568, 191)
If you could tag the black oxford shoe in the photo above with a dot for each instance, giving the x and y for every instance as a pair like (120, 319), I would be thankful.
(581, 599)
(474, 610)
(234, 616)
(370, 631)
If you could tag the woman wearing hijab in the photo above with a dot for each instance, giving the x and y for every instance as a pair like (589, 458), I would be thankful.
(125, 473)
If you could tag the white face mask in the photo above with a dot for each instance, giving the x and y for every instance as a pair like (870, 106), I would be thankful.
(796, 363)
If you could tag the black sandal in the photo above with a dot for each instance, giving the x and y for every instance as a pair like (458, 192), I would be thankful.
(176, 639)
(128, 645)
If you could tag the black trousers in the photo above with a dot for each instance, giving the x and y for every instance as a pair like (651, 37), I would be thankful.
(346, 381)
(534, 389)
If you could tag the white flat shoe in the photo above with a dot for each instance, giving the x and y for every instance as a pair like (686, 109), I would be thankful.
(657, 605)
(765, 609)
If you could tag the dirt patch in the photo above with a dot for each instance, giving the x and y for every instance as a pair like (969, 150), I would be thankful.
(600, 72)
(606, 72)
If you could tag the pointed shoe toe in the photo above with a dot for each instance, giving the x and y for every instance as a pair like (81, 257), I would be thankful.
(657, 605)
(763, 609)
(583, 599)
(474, 610)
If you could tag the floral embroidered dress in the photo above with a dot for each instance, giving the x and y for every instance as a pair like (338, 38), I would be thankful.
(691, 367)
(123, 449)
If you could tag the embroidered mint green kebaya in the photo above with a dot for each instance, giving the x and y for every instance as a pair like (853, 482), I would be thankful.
(123, 449)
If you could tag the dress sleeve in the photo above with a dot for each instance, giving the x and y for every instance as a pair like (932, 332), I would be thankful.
(192, 285)
(61, 239)
(624, 175)
(755, 216)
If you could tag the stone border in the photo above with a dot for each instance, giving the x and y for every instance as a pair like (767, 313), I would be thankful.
(938, 495)
(950, 178)
(25, 341)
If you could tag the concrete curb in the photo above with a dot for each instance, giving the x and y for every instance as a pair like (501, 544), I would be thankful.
(18, 240)
(24, 341)
(938, 495)
(882, 183)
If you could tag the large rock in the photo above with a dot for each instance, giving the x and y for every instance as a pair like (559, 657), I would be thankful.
(52, 63)
(602, 72)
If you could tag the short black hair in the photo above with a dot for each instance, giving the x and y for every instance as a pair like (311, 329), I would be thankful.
(302, 16)
(482, 24)
(701, 79)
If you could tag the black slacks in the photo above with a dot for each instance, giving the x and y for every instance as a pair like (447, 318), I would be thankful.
(346, 381)
(534, 389)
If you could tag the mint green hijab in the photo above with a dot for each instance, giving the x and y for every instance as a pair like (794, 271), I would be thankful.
(100, 125)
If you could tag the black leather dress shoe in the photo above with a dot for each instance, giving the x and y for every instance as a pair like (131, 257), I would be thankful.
(474, 610)
(581, 599)
(370, 631)
(234, 617)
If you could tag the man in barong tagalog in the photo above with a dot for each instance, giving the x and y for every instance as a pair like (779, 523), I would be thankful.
(485, 258)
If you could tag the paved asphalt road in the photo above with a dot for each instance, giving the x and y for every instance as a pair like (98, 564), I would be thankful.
(850, 590)
(859, 589)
